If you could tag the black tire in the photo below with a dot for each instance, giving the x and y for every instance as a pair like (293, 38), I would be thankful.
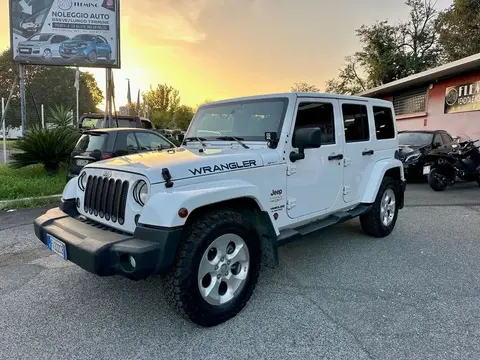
(181, 283)
(47, 55)
(434, 183)
(92, 57)
(371, 221)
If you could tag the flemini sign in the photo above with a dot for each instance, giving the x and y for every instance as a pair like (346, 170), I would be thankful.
(66, 32)
(461, 98)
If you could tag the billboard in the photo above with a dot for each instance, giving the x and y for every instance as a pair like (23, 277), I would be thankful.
(84, 33)
(461, 98)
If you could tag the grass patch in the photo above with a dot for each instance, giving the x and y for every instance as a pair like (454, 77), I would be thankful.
(10, 144)
(31, 181)
(29, 204)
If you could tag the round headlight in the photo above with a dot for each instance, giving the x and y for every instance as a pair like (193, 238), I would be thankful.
(82, 181)
(140, 192)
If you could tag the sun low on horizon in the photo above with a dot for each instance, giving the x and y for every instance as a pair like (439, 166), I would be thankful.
(217, 49)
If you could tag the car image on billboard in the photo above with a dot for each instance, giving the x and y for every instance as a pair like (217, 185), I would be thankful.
(85, 46)
(66, 32)
(43, 46)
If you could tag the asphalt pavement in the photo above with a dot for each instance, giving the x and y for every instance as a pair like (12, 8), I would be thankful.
(337, 294)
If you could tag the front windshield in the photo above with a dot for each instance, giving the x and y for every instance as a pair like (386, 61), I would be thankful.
(84, 37)
(246, 120)
(40, 37)
(415, 139)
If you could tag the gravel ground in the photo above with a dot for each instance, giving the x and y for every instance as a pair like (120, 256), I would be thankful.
(337, 294)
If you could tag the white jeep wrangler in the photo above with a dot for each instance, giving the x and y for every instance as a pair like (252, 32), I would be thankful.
(252, 174)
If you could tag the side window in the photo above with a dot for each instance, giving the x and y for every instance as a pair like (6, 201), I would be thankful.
(132, 146)
(149, 142)
(437, 140)
(313, 114)
(355, 121)
(447, 140)
(384, 126)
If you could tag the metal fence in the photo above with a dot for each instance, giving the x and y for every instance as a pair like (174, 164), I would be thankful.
(35, 115)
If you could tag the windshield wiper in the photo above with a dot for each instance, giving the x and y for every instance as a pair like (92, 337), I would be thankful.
(227, 138)
(195, 138)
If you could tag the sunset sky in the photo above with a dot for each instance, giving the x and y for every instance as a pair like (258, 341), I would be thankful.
(219, 49)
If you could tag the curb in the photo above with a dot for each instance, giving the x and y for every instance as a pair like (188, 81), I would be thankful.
(6, 202)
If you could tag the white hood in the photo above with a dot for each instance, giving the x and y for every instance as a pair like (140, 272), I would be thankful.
(184, 163)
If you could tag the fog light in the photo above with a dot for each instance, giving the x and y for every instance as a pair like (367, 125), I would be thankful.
(132, 261)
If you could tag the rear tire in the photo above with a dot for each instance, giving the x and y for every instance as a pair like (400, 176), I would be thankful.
(434, 183)
(205, 284)
(381, 219)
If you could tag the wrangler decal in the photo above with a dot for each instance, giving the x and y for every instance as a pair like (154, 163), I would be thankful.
(223, 167)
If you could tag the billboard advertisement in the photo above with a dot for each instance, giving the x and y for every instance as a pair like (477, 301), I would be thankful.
(84, 33)
(461, 98)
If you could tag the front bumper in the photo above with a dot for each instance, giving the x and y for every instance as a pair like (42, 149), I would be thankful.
(104, 252)
(413, 170)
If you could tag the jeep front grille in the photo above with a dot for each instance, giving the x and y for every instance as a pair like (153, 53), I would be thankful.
(106, 198)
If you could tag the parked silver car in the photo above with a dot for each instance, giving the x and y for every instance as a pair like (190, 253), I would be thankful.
(44, 46)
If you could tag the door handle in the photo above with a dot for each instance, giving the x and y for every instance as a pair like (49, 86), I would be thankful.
(369, 152)
(335, 157)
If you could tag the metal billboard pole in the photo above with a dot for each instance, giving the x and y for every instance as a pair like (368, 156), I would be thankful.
(21, 69)
(77, 87)
(4, 115)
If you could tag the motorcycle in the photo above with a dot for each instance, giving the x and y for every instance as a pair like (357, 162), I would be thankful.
(461, 164)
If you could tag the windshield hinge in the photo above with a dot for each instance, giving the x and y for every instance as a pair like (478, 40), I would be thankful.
(291, 203)
(291, 169)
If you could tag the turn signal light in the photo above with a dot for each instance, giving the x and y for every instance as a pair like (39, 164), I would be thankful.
(183, 213)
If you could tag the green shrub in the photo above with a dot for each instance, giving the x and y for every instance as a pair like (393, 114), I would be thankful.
(61, 116)
(50, 147)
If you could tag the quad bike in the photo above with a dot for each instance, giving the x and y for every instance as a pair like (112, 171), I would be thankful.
(461, 164)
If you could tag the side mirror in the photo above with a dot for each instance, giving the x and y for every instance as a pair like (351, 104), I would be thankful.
(437, 145)
(306, 138)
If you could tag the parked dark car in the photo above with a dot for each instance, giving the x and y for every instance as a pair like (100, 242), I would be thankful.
(86, 46)
(415, 144)
(92, 121)
(101, 144)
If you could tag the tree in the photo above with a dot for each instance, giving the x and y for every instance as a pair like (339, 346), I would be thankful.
(349, 81)
(391, 52)
(162, 119)
(163, 98)
(420, 39)
(304, 87)
(381, 56)
(459, 29)
(183, 116)
(48, 85)
(162, 103)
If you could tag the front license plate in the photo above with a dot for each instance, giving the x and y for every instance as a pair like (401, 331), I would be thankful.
(57, 246)
(426, 170)
(82, 162)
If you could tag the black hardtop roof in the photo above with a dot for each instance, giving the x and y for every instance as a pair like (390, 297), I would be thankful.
(101, 116)
(422, 131)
